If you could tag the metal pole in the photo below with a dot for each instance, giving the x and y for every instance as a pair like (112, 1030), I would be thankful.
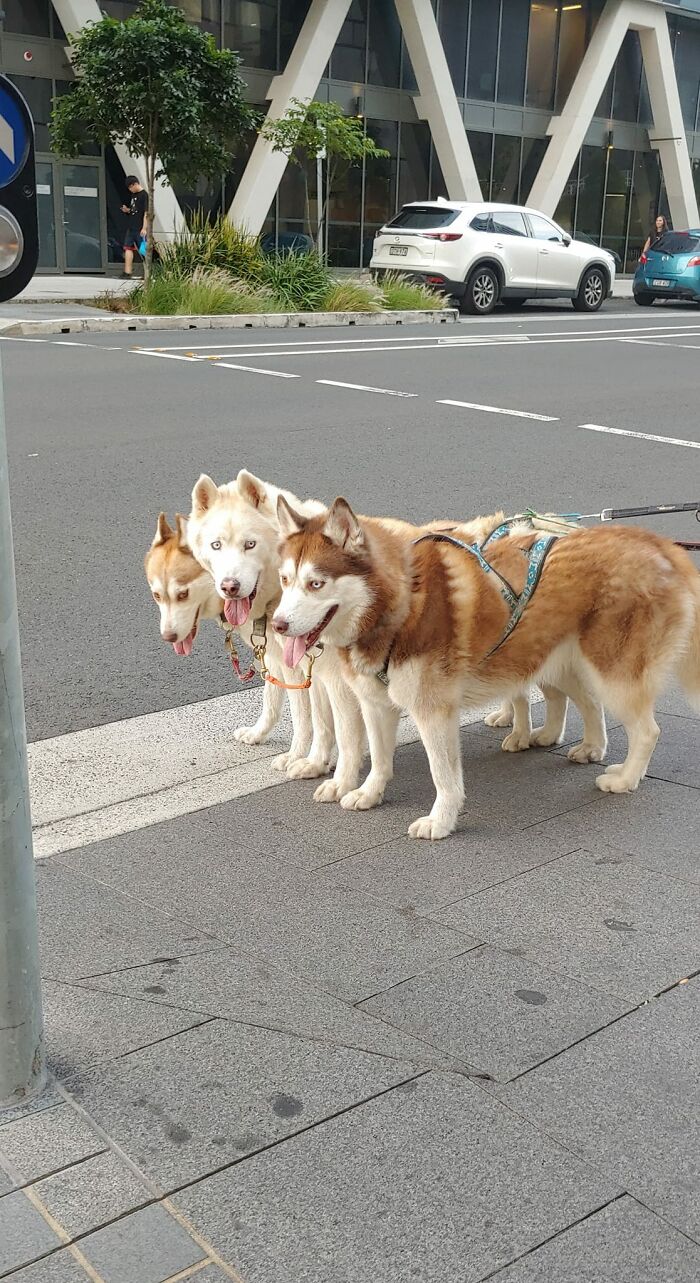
(22, 1063)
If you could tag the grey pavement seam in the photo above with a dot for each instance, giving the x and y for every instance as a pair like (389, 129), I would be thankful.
(219, 947)
(493, 1274)
(22, 1183)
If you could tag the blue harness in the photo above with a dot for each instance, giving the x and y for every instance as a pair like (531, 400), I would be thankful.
(516, 602)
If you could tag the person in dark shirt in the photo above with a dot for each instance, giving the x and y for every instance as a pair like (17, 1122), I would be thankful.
(137, 210)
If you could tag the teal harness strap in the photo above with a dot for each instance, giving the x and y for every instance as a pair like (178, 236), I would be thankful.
(508, 594)
(536, 559)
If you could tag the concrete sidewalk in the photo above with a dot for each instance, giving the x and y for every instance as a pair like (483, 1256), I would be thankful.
(289, 1044)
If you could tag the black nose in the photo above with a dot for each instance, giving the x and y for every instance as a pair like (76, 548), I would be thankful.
(169, 637)
(280, 625)
(230, 587)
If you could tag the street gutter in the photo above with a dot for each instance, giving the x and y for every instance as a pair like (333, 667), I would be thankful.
(125, 323)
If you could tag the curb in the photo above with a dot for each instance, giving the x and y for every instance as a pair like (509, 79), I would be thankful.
(263, 320)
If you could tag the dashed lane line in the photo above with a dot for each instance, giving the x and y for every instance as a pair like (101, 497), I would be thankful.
(642, 436)
(363, 387)
(498, 409)
(251, 369)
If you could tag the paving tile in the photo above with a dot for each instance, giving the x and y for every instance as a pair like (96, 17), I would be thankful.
(60, 1267)
(45, 1142)
(676, 757)
(498, 1012)
(211, 1274)
(424, 876)
(190, 1105)
(86, 928)
(24, 1234)
(623, 1243)
(147, 1247)
(627, 1100)
(46, 1099)
(84, 1027)
(599, 918)
(92, 1193)
(235, 986)
(433, 1181)
(659, 824)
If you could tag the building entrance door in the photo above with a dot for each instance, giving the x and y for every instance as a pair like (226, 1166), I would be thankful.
(72, 223)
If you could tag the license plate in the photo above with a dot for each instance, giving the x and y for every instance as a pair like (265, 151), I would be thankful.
(661, 282)
(399, 249)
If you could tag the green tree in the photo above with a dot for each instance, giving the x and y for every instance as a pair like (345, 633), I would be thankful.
(312, 129)
(160, 87)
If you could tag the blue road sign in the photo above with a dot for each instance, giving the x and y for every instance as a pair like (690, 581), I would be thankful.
(14, 137)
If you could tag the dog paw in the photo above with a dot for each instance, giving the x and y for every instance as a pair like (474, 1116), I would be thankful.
(584, 752)
(429, 829)
(250, 735)
(544, 739)
(515, 743)
(329, 791)
(502, 717)
(307, 769)
(361, 800)
(283, 761)
(615, 781)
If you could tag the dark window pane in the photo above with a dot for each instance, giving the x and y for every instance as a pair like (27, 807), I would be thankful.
(617, 198)
(345, 199)
(38, 94)
(542, 229)
(513, 55)
(384, 63)
(677, 243)
(483, 44)
(121, 9)
(481, 151)
(645, 113)
(506, 169)
(542, 53)
(348, 57)
(481, 223)
(344, 245)
(205, 14)
(408, 77)
(206, 195)
(590, 192)
(565, 212)
(27, 17)
(645, 201)
(297, 195)
(438, 186)
(424, 217)
(506, 222)
(687, 60)
(628, 70)
(414, 162)
(251, 29)
(380, 174)
(292, 15)
(453, 22)
(572, 46)
(533, 154)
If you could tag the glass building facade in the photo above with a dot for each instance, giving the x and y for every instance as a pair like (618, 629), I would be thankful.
(512, 64)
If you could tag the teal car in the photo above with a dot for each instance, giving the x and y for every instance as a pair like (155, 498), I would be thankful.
(669, 269)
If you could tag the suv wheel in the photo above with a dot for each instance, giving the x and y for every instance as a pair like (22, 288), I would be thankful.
(481, 294)
(592, 291)
(644, 299)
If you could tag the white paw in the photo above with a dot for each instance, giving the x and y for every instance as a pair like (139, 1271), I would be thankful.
(250, 735)
(615, 782)
(431, 830)
(283, 761)
(499, 718)
(516, 742)
(329, 791)
(307, 769)
(544, 739)
(584, 752)
(361, 800)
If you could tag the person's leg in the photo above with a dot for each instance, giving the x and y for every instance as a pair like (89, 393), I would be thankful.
(128, 261)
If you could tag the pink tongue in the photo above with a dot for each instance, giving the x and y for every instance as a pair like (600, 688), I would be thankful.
(184, 647)
(237, 611)
(294, 650)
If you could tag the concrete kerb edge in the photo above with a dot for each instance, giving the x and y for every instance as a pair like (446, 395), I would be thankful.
(266, 320)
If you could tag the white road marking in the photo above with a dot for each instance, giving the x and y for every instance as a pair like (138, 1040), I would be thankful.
(363, 387)
(642, 436)
(107, 780)
(250, 369)
(10, 338)
(100, 347)
(690, 347)
(152, 351)
(496, 409)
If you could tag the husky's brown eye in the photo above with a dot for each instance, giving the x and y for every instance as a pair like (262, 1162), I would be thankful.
(216, 545)
(284, 581)
(182, 596)
(156, 596)
(316, 584)
(249, 543)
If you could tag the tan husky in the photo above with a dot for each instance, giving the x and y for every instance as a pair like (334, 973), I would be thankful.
(617, 612)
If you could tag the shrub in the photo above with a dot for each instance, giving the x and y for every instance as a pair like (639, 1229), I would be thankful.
(203, 292)
(401, 294)
(351, 296)
(213, 244)
(299, 282)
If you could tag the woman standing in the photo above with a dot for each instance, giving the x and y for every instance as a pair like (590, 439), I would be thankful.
(657, 231)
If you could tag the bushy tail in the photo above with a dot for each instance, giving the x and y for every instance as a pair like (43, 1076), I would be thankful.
(689, 666)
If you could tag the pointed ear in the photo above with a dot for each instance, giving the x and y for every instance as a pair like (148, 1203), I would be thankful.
(181, 529)
(203, 495)
(290, 522)
(251, 489)
(163, 530)
(342, 526)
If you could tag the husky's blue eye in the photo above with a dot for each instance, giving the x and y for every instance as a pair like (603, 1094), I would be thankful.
(216, 545)
(249, 543)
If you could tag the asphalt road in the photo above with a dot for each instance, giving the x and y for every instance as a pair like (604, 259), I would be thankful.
(103, 434)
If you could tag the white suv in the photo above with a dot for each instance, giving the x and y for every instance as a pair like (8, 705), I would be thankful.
(485, 253)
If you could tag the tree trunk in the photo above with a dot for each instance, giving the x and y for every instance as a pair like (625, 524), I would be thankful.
(307, 202)
(150, 181)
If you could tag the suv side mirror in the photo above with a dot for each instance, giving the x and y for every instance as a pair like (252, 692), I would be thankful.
(566, 240)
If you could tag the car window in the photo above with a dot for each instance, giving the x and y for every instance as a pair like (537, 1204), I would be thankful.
(424, 217)
(507, 222)
(481, 223)
(542, 229)
(676, 243)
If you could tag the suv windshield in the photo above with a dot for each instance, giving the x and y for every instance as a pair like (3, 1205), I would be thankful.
(424, 216)
(676, 243)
